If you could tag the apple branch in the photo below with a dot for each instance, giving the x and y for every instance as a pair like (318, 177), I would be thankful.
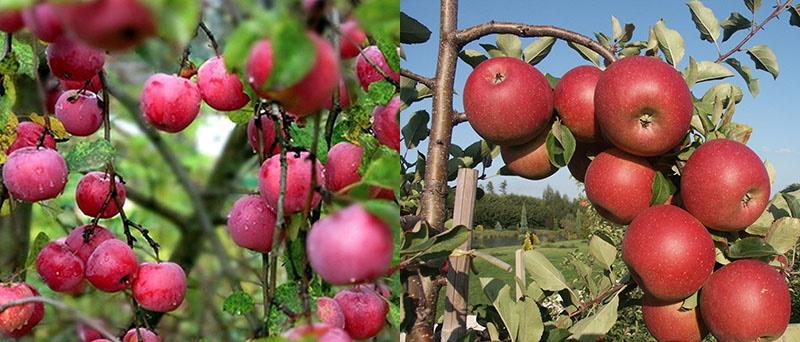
(73, 312)
(417, 77)
(779, 8)
(9, 44)
(210, 36)
(470, 34)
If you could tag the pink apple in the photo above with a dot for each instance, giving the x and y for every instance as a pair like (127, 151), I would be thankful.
(34, 174)
(220, 89)
(170, 103)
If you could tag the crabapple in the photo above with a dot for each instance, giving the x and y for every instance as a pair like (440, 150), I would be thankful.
(84, 248)
(11, 21)
(220, 89)
(351, 39)
(15, 318)
(33, 174)
(94, 84)
(43, 21)
(147, 336)
(386, 123)
(61, 269)
(73, 60)
(38, 314)
(364, 311)
(297, 181)
(111, 25)
(112, 266)
(92, 191)
(81, 112)
(28, 134)
(329, 312)
(350, 246)
(267, 135)
(159, 287)
(367, 74)
(170, 103)
(251, 223)
(319, 332)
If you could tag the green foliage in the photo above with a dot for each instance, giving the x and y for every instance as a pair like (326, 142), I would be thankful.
(293, 52)
(547, 212)
(379, 18)
(238, 303)
(705, 21)
(412, 31)
(38, 244)
(89, 155)
(176, 19)
(560, 144)
(662, 189)
(764, 59)
(304, 137)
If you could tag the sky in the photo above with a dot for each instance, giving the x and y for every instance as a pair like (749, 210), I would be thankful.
(774, 114)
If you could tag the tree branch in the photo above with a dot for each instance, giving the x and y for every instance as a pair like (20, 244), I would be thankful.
(778, 10)
(459, 117)
(73, 312)
(476, 32)
(417, 77)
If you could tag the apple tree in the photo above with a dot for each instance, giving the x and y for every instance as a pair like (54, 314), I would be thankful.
(199, 170)
(687, 224)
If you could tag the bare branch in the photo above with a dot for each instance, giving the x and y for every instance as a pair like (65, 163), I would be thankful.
(778, 10)
(417, 77)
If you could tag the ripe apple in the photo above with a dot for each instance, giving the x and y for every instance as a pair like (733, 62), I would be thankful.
(34, 174)
(11, 21)
(297, 181)
(584, 153)
(671, 322)
(60, 269)
(669, 252)
(367, 74)
(14, 318)
(81, 112)
(43, 21)
(112, 266)
(329, 312)
(341, 170)
(73, 60)
(111, 25)
(386, 123)
(725, 185)
(507, 101)
(94, 84)
(251, 223)
(529, 160)
(350, 246)
(574, 102)
(159, 287)
(746, 300)
(84, 248)
(268, 136)
(88, 334)
(28, 134)
(319, 332)
(170, 103)
(364, 311)
(619, 185)
(352, 38)
(147, 336)
(38, 315)
(643, 105)
(220, 89)
(92, 191)
(259, 67)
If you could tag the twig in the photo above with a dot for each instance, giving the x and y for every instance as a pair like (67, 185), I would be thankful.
(583, 306)
(459, 117)
(73, 312)
(9, 44)
(778, 9)
(210, 36)
(369, 60)
(428, 82)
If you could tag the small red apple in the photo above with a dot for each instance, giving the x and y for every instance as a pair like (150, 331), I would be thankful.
(112, 266)
(111, 25)
(319, 332)
(60, 269)
(584, 153)
(11, 21)
(297, 181)
(147, 336)
(43, 21)
(170, 103)
(92, 191)
(643, 105)
(352, 38)
(507, 101)
(81, 112)
(73, 60)
(574, 102)
(725, 185)
(14, 318)
(251, 223)
(38, 315)
(529, 160)
(34, 174)
(84, 248)
(671, 322)
(159, 287)
(367, 73)
(94, 84)
(28, 134)
(619, 185)
(364, 311)
(329, 312)
(221, 90)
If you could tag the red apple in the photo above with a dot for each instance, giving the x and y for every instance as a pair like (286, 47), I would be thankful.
(11, 21)
(584, 153)
(297, 181)
(319, 332)
(81, 112)
(112, 266)
(329, 312)
(619, 185)
(147, 336)
(72, 60)
(94, 84)
(15, 318)
(92, 191)
(671, 322)
(364, 311)
(60, 269)
(38, 315)
(170, 103)
(529, 160)
(507, 101)
(367, 73)
(159, 287)
(41, 18)
(28, 134)
(251, 223)
(34, 174)
(352, 38)
(386, 123)
(111, 25)
(725, 185)
(669, 253)
(82, 246)
(643, 105)
(341, 170)
(746, 300)
(574, 102)
(268, 136)
(221, 90)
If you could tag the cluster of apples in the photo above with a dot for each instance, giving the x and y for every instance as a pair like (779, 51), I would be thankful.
(625, 117)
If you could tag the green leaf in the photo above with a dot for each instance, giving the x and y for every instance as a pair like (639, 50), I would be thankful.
(510, 45)
(770, 171)
(616, 28)
(22, 56)
(627, 33)
(750, 247)
(603, 250)
(552, 80)
(293, 53)
(536, 51)
(589, 328)
(15, 4)
(499, 294)
(725, 91)
(794, 15)
(737, 131)
(472, 57)
(746, 73)
(587, 54)
(8, 97)
(304, 137)
(560, 144)
(239, 42)
(384, 172)
(735, 22)
(492, 50)
(38, 243)
(380, 93)
(241, 116)
(416, 129)
(703, 71)
(691, 302)
(765, 59)
(776, 209)
(662, 189)
(412, 31)
(705, 21)
(670, 42)
(411, 91)
(177, 19)
(531, 326)
(389, 51)
(89, 155)
(379, 17)
(238, 303)
(547, 276)
(446, 242)
(752, 5)
(783, 234)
